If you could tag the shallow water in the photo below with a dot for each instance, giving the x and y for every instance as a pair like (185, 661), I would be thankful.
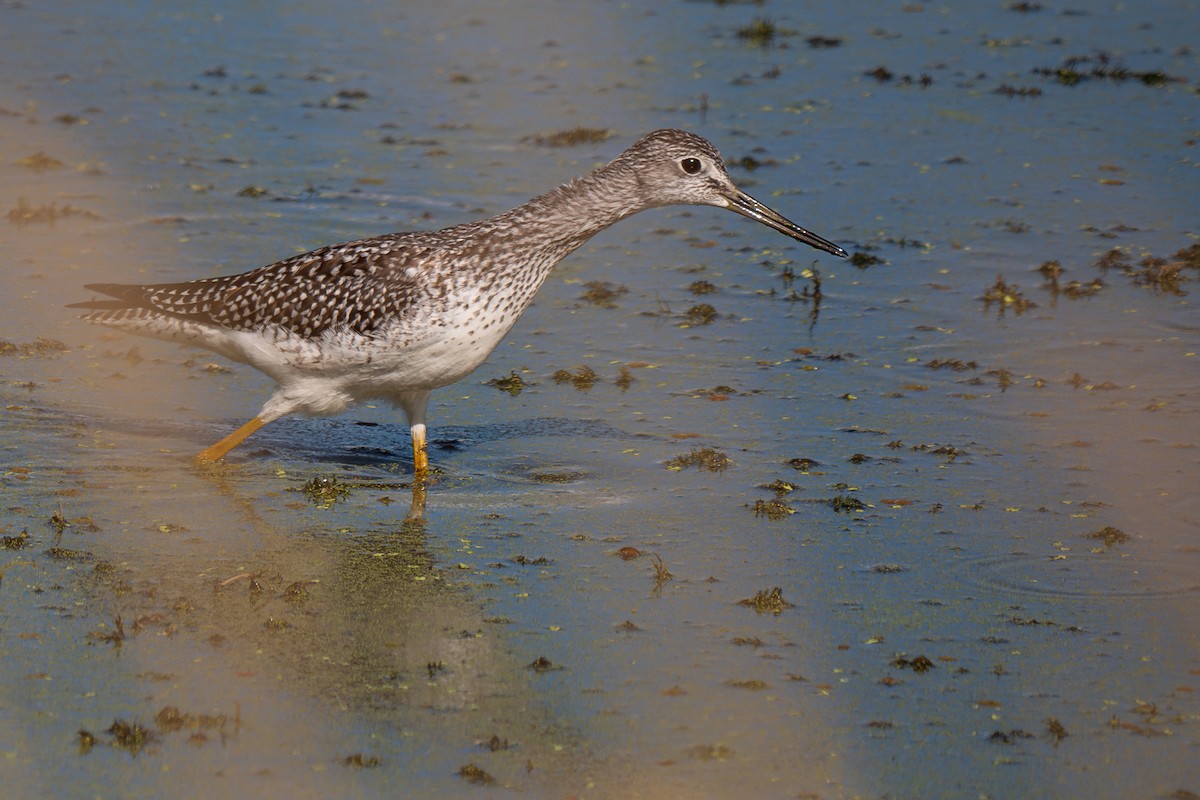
(962, 632)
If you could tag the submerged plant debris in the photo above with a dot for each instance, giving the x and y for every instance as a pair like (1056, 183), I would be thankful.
(513, 383)
(38, 348)
(846, 504)
(1006, 296)
(761, 32)
(699, 314)
(583, 378)
(772, 509)
(916, 664)
(767, 601)
(1102, 67)
(124, 735)
(472, 773)
(323, 491)
(1109, 536)
(602, 293)
(705, 459)
(360, 761)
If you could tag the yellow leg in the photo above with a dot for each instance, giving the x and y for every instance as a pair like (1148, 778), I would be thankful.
(420, 453)
(218, 450)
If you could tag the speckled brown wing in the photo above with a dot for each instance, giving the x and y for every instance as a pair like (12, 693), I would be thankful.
(359, 286)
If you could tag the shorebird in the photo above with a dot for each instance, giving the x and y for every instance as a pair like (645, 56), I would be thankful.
(394, 317)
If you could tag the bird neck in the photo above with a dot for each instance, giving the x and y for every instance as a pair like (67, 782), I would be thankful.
(568, 216)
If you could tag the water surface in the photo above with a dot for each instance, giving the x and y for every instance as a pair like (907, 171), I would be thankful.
(981, 518)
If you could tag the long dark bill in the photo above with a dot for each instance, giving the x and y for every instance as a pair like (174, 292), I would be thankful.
(747, 206)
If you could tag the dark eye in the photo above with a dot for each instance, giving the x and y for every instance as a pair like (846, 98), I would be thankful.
(691, 165)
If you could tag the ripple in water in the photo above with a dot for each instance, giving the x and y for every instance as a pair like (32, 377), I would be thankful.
(1092, 576)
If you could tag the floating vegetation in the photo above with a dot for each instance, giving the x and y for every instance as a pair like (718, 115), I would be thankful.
(557, 477)
(1007, 296)
(1109, 536)
(342, 100)
(134, 737)
(570, 138)
(846, 504)
(624, 380)
(823, 42)
(67, 554)
(1115, 258)
(539, 561)
(359, 761)
(811, 293)
(583, 378)
(702, 288)
(772, 509)
(1078, 69)
(1052, 272)
(115, 637)
(324, 491)
(476, 775)
(1003, 737)
(918, 664)
(761, 32)
(253, 192)
(1056, 730)
(15, 542)
(495, 743)
(954, 364)
(717, 394)
(628, 553)
(780, 487)
(1003, 377)
(513, 384)
(747, 641)
(1076, 290)
(803, 464)
(170, 719)
(767, 601)
(1017, 91)
(661, 573)
(542, 664)
(25, 214)
(705, 459)
(753, 684)
(700, 314)
(602, 293)
(297, 591)
(1163, 275)
(129, 736)
(885, 75)
(865, 260)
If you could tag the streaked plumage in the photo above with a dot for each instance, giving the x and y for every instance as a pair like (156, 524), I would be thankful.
(396, 316)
